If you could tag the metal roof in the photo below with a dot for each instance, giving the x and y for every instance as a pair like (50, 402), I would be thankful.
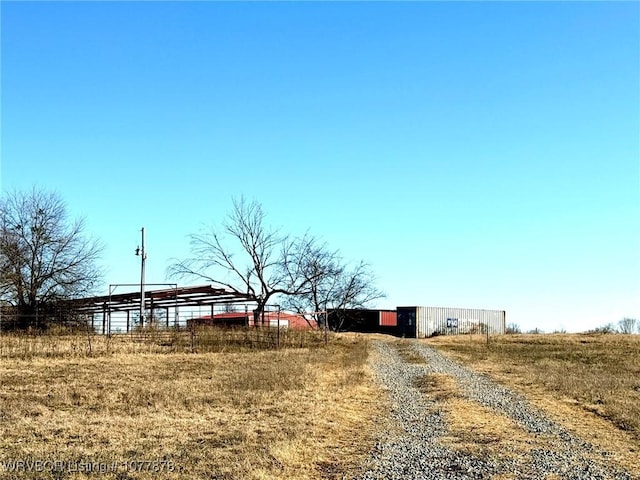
(168, 297)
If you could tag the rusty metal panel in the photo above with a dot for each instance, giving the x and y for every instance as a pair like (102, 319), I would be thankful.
(388, 318)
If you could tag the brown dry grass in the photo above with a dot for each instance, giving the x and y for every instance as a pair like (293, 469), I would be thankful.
(589, 383)
(289, 413)
(408, 354)
(65, 344)
(484, 433)
(473, 428)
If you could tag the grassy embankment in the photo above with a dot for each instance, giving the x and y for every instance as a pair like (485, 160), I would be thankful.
(303, 412)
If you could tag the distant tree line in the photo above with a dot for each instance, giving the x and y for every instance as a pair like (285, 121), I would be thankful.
(625, 326)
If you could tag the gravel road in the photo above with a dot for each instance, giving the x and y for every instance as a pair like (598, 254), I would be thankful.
(410, 448)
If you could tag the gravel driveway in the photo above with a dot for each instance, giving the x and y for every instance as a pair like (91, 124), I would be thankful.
(411, 449)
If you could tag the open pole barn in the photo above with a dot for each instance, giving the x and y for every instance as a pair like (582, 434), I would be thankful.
(117, 312)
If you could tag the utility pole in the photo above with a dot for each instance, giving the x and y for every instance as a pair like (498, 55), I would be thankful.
(142, 253)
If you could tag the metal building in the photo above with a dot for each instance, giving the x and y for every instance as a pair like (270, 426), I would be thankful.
(423, 322)
(363, 320)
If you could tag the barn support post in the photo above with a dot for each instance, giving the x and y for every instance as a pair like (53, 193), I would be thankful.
(176, 324)
(128, 320)
(109, 320)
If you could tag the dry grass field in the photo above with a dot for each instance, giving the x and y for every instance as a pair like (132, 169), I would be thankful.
(589, 383)
(61, 343)
(133, 409)
(228, 405)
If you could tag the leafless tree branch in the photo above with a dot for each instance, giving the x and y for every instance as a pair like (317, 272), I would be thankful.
(44, 257)
(247, 256)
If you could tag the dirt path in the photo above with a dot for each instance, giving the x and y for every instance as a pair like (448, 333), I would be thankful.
(448, 422)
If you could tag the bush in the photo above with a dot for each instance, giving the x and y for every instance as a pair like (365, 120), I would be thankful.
(535, 331)
(607, 329)
(627, 325)
(513, 328)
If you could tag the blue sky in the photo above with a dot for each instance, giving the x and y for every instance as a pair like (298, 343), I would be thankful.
(480, 155)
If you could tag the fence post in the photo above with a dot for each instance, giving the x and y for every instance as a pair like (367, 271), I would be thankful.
(326, 327)
(89, 335)
(278, 329)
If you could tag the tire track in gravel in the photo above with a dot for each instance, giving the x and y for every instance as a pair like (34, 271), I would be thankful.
(414, 448)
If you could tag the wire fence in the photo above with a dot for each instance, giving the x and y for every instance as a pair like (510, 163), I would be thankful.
(42, 321)
(62, 342)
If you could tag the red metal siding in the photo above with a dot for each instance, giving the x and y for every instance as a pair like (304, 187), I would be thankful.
(298, 322)
(286, 320)
(388, 319)
(271, 319)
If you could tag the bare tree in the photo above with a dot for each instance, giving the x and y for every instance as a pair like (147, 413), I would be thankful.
(44, 256)
(513, 328)
(230, 307)
(608, 328)
(245, 256)
(322, 270)
(330, 283)
(627, 325)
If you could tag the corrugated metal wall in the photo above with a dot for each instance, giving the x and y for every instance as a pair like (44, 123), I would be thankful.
(422, 322)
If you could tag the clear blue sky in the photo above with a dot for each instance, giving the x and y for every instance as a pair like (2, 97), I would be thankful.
(475, 154)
